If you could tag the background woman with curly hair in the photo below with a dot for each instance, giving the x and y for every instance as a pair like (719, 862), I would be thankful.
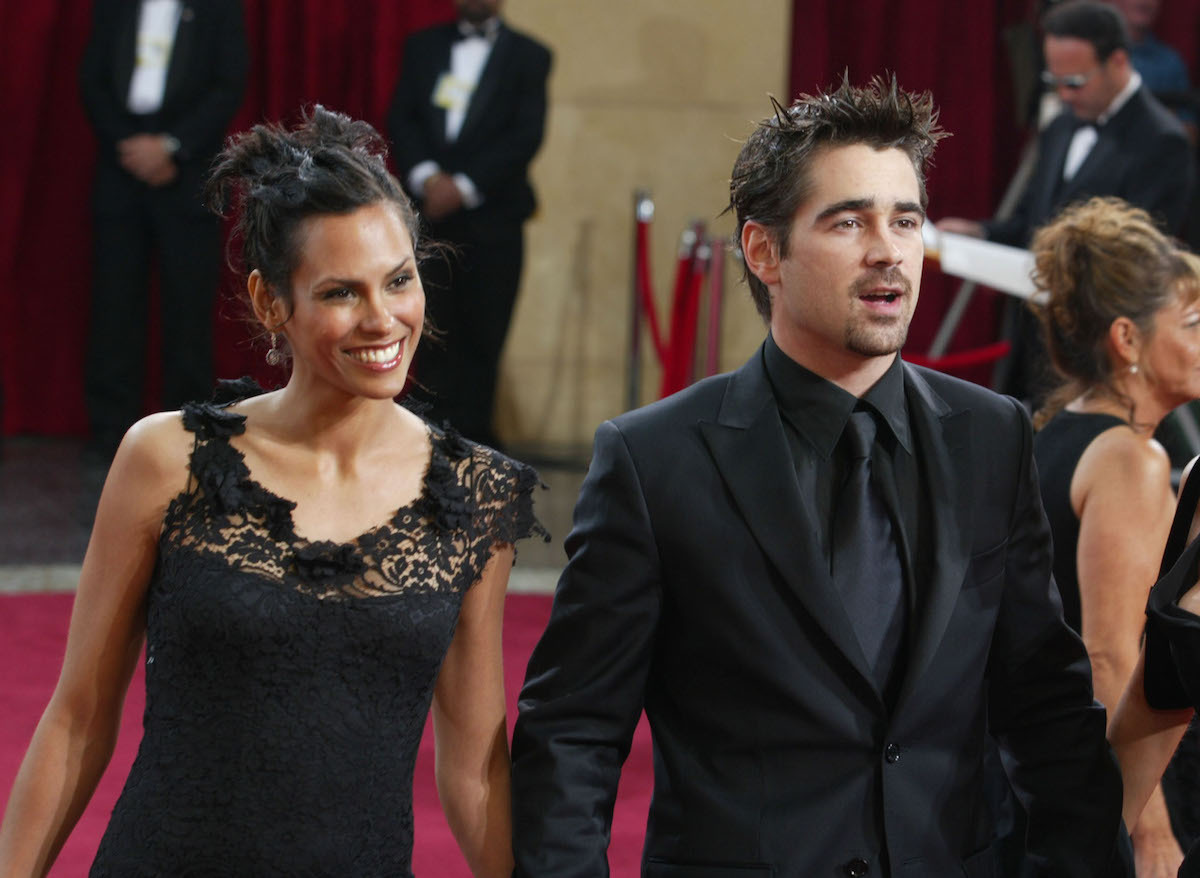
(1122, 324)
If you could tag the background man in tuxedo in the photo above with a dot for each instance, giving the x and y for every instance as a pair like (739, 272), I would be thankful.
(824, 576)
(160, 81)
(1111, 138)
(465, 122)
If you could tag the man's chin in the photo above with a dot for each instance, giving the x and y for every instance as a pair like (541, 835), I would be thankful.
(876, 344)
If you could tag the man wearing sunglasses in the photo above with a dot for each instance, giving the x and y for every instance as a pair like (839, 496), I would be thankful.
(1111, 138)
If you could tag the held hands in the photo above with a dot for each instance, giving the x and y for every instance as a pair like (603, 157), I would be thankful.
(441, 196)
(1156, 853)
(147, 157)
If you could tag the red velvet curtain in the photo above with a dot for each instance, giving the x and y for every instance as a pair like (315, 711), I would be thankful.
(342, 53)
(961, 52)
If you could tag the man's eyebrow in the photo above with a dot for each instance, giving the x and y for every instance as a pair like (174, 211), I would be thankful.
(848, 204)
(852, 204)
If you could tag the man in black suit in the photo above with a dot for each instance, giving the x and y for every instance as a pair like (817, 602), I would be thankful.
(1111, 138)
(465, 122)
(160, 81)
(821, 626)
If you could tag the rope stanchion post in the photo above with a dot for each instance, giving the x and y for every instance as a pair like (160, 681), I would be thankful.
(716, 293)
(643, 213)
(701, 264)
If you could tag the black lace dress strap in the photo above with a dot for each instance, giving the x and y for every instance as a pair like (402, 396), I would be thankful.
(467, 489)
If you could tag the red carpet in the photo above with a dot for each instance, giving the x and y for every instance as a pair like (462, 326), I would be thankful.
(33, 630)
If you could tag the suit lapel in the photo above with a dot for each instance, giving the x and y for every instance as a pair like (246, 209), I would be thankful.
(1056, 143)
(125, 49)
(1089, 177)
(489, 81)
(945, 455)
(750, 450)
(181, 50)
(443, 48)
(1092, 174)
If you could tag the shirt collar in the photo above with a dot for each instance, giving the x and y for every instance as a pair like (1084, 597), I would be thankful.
(1122, 98)
(819, 409)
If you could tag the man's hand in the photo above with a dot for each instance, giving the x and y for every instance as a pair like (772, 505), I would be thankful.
(442, 197)
(959, 226)
(147, 157)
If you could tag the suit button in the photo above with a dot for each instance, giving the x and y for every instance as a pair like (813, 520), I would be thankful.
(857, 868)
(891, 753)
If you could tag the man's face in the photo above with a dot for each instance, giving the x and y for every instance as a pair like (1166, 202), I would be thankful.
(1096, 83)
(477, 11)
(849, 281)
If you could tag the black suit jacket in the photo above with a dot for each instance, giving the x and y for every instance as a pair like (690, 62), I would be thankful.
(503, 126)
(696, 589)
(1142, 155)
(205, 81)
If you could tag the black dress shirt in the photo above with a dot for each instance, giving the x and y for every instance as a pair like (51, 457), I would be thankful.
(814, 412)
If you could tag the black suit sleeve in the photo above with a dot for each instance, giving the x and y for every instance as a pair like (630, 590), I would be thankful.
(1161, 180)
(103, 106)
(1014, 229)
(201, 126)
(409, 132)
(1017, 228)
(584, 687)
(1041, 707)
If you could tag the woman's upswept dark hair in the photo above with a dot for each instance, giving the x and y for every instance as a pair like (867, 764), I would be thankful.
(771, 177)
(274, 178)
(1095, 262)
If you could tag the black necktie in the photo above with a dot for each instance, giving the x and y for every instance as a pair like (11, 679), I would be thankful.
(866, 562)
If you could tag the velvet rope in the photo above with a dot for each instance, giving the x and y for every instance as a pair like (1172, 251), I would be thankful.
(676, 352)
(962, 359)
(685, 313)
(646, 290)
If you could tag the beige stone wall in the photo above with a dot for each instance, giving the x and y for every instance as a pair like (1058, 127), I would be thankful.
(654, 94)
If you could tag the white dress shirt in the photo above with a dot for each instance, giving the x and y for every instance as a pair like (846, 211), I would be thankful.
(1086, 135)
(157, 25)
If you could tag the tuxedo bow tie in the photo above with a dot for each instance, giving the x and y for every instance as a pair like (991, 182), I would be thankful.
(486, 31)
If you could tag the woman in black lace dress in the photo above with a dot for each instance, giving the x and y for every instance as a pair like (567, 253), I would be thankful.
(310, 568)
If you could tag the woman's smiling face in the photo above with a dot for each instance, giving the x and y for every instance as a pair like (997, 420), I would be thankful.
(357, 302)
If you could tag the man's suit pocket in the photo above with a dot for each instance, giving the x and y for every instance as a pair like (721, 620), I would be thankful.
(665, 869)
(981, 864)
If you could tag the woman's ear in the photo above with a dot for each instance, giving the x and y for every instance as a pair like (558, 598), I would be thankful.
(1124, 343)
(761, 252)
(267, 306)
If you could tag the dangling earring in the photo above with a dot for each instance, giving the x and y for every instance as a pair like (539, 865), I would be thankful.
(274, 355)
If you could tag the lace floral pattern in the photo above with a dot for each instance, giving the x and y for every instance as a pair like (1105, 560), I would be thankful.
(288, 680)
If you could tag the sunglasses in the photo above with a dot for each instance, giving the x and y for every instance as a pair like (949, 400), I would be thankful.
(1073, 81)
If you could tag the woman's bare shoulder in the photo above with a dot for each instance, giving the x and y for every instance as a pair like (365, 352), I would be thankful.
(151, 464)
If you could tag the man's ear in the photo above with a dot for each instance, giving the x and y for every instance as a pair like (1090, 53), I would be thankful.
(267, 306)
(1119, 60)
(761, 252)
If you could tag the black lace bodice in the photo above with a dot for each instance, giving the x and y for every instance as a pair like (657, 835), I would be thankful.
(288, 681)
